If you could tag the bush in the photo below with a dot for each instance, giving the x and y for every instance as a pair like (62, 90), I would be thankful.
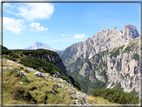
(136, 57)
(5, 51)
(115, 95)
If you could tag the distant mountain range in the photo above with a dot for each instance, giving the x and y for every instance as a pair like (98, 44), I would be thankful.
(39, 45)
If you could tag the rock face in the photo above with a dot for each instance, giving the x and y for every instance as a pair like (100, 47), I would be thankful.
(101, 41)
(56, 60)
(130, 31)
(113, 68)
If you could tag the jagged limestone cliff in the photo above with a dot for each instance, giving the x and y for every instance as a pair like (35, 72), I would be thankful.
(101, 41)
(114, 68)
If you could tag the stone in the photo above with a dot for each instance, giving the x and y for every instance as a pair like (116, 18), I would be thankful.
(57, 75)
(10, 61)
(61, 80)
(21, 82)
(47, 74)
(115, 28)
(38, 74)
(30, 69)
(10, 65)
(53, 92)
(21, 73)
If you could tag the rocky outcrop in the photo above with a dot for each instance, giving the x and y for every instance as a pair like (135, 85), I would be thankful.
(101, 41)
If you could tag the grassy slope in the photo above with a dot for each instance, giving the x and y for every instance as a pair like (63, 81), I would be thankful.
(35, 61)
(34, 92)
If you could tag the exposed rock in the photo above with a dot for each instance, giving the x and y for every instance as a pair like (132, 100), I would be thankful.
(53, 92)
(57, 75)
(114, 67)
(115, 28)
(21, 73)
(102, 30)
(38, 74)
(21, 82)
(101, 41)
(10, 65)
(130, 31)
(85, 69)
(30, 69)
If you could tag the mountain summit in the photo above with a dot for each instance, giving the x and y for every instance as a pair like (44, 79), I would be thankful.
(130, 31)
(40, 45)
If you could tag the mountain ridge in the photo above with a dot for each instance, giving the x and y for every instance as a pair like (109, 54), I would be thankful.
(103, 40)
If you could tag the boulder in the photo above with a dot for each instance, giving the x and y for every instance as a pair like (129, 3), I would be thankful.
(38, 74)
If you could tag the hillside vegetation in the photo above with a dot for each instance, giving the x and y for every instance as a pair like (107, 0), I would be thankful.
(22, 86)
(36, 62)
(115, 95)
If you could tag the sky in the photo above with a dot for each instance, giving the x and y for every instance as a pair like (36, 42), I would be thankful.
(60, 25)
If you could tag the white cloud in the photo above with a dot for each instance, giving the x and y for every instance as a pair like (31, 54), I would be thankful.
(79, 36)
(13, 25)
(31, 11)
(65, 34)
(36, 27)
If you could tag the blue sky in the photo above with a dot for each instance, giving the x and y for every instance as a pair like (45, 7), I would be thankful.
(60, 25)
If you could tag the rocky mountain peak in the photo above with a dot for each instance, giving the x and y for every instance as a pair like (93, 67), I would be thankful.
(115, 28)
(102, 30)
(130, 31)
(101, 41)
(38, 44)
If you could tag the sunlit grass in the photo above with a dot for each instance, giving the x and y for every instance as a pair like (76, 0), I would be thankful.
(18, 91)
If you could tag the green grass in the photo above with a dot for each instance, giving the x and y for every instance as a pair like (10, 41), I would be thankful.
(38, 91)
(33, 92)
(35, 62)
